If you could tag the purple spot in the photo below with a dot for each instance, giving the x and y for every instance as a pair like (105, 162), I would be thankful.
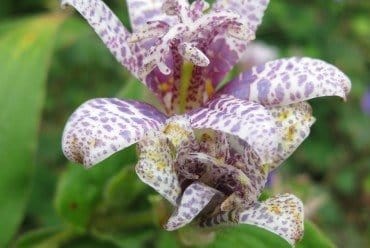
(279, 92)
(302, 79)
(263, 87)
(107, 127)
(235, 128)
(308, 89)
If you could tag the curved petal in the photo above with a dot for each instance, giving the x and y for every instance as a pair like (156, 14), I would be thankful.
(197, 8)
(103, 126)
(155, 166)
(249, 121)
(143, 11)
(282, 215)
(286, 81)
(110, 30)
(293, 122)
(250, 9)
(225, 51)
(193, 201)
(228, 179)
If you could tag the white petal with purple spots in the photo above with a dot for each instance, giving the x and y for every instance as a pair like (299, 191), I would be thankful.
(293, 122)
(155, 166)
(249, 121)
(103, 126)
(286, 81)
(252, 10)
(143, 11)
(194, 199)
(281, 214)
(109, 28)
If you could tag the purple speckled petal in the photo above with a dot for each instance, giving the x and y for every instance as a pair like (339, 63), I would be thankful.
(293, 123)
(249, 121)
(155, 166)
(197, 8)
(229, 179)
(110, 30)
(194, 199)
(252, 10)
(143, 11)
(223, 38)
(225, 51)
(103, 126)
(286, 81)
(244, 157)
(282, 215)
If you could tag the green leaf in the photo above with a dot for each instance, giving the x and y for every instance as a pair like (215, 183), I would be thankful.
(127, 239)
(313, 237)
(87, 241)
(25, 53)
(45, 238)
(80, 191)
(247, 236)
(251, 236)
(122, 189)
(57, 238)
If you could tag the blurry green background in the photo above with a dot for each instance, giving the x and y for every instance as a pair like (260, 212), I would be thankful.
(51, 62)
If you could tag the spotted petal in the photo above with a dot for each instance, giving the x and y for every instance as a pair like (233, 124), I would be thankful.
(110, 30)
(293, 123)
(103, 126)
(225, 51)
(155, 166)
(282, 215)
(193, 201)
(286, 81)
(250, 9)
(249, 121)
(143, 11)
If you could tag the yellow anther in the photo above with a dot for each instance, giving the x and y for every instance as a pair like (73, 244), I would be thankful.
(209, 87)
(164, 87)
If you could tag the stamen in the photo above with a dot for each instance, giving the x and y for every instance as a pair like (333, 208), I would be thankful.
(179, 8)
(146, 69)
(152, 29)
(241, 31)
(193, 54)
(198, 7)
(163, 68)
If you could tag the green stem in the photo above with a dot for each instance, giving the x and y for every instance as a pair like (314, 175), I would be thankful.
(186, 74)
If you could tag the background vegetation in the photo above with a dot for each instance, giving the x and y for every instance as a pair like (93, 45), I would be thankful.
(51, 62)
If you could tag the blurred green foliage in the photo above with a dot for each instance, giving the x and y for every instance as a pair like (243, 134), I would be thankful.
(57, 204)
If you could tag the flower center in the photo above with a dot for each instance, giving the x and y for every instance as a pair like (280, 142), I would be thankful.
(190, 36)
(209, 157)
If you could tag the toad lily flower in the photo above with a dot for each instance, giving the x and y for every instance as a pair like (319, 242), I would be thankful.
(211, 163)
(171, 37)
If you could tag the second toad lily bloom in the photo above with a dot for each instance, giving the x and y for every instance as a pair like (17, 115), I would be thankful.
(210, 153)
